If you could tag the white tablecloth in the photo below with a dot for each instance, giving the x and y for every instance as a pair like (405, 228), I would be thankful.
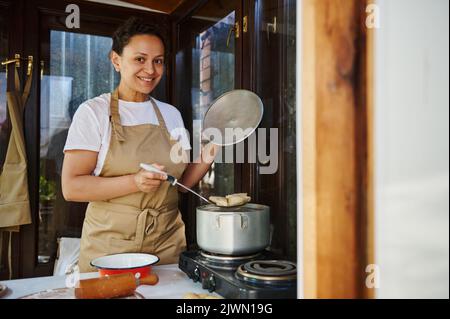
(173, 284)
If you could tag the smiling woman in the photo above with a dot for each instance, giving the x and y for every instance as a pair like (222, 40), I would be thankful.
(130, 210)
(138, 54)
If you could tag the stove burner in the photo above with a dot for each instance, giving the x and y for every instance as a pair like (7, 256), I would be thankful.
(271, 268)
(227, 276)
(224, 261)
(227, 257)
(268, 272)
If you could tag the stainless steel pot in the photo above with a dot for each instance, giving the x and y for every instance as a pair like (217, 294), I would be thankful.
(233, 231)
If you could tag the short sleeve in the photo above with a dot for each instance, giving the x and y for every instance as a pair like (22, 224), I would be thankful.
(84, 132)
(182, 134)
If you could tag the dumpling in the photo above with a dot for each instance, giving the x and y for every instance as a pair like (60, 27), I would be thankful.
(238, 199)
(231, 200)
(191, 295)
(219, 201)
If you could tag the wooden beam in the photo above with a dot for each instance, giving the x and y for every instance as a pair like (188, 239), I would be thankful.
(365, 142)
(203, 9)
(309, 150)
(336, 166)
(185, 9)
(166, 6)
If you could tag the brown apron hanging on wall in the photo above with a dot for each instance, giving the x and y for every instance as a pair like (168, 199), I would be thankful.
(14, 199)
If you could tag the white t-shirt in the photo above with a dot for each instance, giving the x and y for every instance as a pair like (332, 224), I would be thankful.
(91, 129)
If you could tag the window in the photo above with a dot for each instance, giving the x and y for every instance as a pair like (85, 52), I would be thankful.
(79, 70)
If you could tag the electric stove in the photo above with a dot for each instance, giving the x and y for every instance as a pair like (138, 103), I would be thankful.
(257, 276)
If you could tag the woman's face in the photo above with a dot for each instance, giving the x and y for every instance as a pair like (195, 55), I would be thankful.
(141, 64)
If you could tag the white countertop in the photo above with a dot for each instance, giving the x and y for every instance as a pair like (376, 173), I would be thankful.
(173, 284)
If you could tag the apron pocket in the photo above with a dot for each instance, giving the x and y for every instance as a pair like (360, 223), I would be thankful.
(119, 246)
(120, 226)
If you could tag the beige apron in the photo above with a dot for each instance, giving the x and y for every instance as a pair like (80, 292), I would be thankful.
(138, 222)
(14, 199)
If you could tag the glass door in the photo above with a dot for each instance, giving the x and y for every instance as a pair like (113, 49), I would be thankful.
(275, 26)
(78, 69)
(5, 127)
(11, 43)
(208, 64)
(6, 52)
(71, 66)
(213, 58)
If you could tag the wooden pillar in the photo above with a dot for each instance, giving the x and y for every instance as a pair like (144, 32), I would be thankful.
(336, 153)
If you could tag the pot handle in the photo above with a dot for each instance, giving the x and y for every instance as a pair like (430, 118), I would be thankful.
(244, 220)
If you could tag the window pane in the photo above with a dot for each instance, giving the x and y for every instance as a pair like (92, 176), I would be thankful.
(213, 74)
(290, 146)
(5, 125)
(79, 70)
(276, 85)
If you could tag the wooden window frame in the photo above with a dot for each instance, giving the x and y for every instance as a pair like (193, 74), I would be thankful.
(337, 108)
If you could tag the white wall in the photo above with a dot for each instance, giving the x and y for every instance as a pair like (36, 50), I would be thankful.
(412, 149)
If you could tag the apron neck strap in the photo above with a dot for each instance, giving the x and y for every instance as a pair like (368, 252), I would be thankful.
(27, 88)
(115, 117)
(161, 121)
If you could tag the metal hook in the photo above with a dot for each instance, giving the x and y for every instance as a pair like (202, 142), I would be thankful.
(42, 68)
(272, 26)
(30, 64)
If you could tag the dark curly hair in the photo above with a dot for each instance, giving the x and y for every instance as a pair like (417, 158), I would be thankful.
(131, 27)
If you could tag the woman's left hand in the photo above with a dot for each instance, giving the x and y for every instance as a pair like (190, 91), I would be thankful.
(148, 182)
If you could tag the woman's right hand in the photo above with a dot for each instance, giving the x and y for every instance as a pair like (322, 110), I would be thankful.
(149, 182)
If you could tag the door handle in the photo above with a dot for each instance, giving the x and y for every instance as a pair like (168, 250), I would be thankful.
(272, 26)
(236, 30)
(17, 59)
(30, 65)
(42, 68)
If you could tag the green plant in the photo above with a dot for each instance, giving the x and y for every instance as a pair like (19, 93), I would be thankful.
(47, 189)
